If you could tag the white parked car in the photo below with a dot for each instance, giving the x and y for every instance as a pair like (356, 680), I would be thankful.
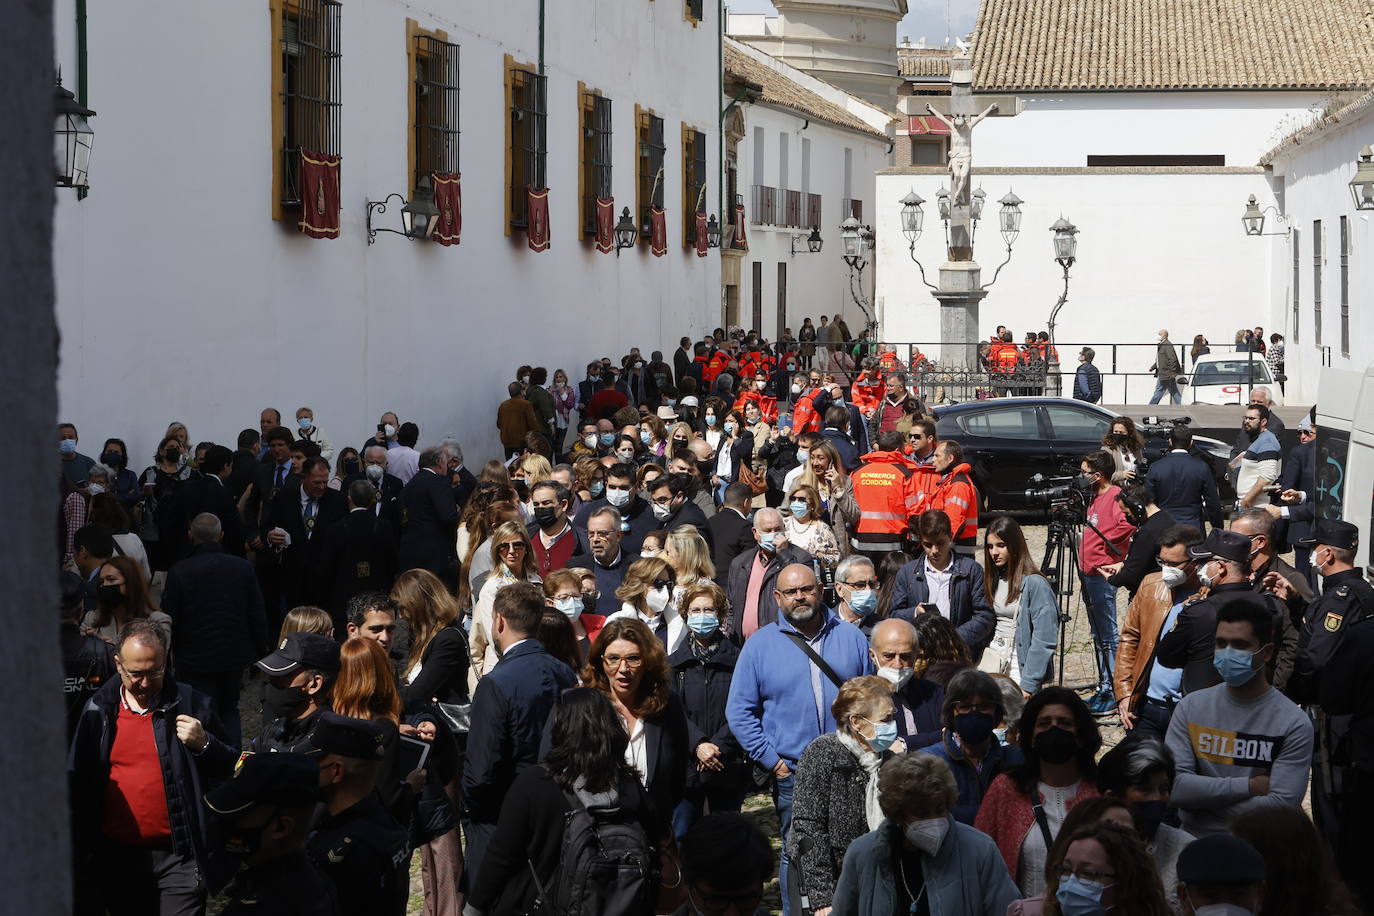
(1226, 378)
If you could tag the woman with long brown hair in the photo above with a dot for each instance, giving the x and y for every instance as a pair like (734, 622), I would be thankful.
(1027, 629)
(1103, 863)
(477, 563)
(1126, 446)
(628, 664)
(123, 595)
(512, 560)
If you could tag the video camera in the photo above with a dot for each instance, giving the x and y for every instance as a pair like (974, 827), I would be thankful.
(1161, 426)
(1069, 493)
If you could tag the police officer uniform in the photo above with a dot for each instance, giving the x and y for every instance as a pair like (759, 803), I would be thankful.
(1346, 600)
(287, 884)
(362, 850)
(297, 652)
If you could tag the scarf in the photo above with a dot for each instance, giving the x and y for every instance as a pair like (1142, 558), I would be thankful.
(870, 763)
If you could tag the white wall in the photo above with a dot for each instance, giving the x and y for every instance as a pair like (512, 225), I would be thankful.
(1161, 250)
(1314, 176)
(817, 284)
(179, 297)
(1063, 129)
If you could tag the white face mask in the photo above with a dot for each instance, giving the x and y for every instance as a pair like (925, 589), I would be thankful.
(96, 489)
(617, 496)
(1172, 576)
(648, 552)
(375, 472)
(927, 835)
(1223, 909)
(589, 441)
(389, 431)
(897, 677)
(663, 513)
(1205, 577)
(657, 599)
(803, 455)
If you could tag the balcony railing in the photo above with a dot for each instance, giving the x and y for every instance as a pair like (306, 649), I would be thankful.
(812, 214)
(781, 207)
(792, 209)
(765, 205)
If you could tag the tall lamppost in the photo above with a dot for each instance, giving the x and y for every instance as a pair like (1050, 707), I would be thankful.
(1065, 254)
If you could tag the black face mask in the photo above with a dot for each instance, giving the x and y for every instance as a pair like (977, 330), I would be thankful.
(171, 456)
(545, 515)
(1056, 745)
(112, 459)
(974, 727)
(283, 702)
(110, 595)
(1149, 815)
(352, 466)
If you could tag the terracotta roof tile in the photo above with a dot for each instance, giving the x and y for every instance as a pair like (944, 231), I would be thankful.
(918, 62)
(1121, 45)
(778, 89)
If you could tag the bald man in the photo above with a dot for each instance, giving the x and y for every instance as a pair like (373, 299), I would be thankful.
(787, 676)
(917, 700)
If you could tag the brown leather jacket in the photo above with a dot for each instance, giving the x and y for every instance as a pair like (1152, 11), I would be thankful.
(1145, 617)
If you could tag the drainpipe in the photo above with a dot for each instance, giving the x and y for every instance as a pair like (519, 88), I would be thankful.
(720, 127)
(541, 35)
(81, 83)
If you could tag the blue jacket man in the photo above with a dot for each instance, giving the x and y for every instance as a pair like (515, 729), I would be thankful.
(1087, 380)
(1183, 484)
(968, 606)
(779, 698)
(509, 709)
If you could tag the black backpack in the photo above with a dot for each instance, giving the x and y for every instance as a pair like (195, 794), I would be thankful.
(606, 866)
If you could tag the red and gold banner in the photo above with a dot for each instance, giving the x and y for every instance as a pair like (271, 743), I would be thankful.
(701, 242)
(319, 195)
(658, 232)
(926, 124)
(448, 198)
(605, 224)
(739, 239)
(537, 218)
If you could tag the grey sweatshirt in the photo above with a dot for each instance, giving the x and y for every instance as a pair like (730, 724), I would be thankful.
(1219, 742)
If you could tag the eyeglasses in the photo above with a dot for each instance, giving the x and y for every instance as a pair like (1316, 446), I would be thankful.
(864, 583)
(1087, 874)
(663, 583)
(963, 709)
(151, 674)
(512, 547)
(1166, 564)
(612, 662)
(915, 437)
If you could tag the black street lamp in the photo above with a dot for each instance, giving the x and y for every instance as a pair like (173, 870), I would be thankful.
(72, 138)
(419, 215)
(713, 232)
(857, 241)
(813, 241)
(627, 233)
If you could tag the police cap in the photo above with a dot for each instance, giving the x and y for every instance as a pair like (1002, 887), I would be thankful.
(300, 652)
(288, 780)
(1330, 532)
(344, 736)
(1220, 859)
(1227, 545)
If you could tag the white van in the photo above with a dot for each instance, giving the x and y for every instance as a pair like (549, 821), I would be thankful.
(1345, 452)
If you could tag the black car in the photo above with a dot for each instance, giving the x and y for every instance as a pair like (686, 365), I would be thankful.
(1007, 441)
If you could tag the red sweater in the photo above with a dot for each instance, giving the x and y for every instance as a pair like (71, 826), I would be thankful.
(135, 800)
(1006, 816)
(1107, 515)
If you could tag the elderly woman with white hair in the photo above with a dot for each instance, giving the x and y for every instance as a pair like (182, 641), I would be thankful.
(920, 859)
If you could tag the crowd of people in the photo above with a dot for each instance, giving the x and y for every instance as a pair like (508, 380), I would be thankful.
(554, 678)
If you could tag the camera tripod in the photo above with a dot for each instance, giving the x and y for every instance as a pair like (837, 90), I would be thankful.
(1061, 556)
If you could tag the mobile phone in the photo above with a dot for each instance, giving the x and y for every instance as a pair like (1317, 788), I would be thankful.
(1273, 488)
(928, 608)
(412, 753)
(381, 430)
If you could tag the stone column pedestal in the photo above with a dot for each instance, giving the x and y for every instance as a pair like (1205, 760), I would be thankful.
(959, 294)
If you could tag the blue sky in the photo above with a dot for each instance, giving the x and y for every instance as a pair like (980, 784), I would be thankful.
(926, 17)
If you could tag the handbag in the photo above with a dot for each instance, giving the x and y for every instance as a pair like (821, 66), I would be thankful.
(756, 484)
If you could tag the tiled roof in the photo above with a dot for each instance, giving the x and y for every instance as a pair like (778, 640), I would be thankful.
(778, 89)
(924, 62)
(1116, 45)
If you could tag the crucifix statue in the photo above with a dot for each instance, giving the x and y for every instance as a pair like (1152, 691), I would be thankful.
(960, 150)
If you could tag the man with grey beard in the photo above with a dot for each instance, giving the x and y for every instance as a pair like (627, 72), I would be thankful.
(787, 676)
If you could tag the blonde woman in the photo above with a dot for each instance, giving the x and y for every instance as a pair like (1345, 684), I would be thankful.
(688, 554)
(645, 593)
(512, 560)
(806, 529)
(825, 474)
(679, 436)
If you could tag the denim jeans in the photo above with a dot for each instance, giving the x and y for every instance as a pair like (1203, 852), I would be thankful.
(1169, 385)
(782, 800)
(1100, 596)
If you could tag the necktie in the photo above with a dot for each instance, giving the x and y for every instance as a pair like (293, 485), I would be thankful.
(281, 475)
(661, 630)
(309, 518)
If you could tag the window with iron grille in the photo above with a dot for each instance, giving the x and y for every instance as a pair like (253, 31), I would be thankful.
(694, 10)
(1297, 284)
(596, 156)
(1317, 282)
(1345, 286)
(528, 140)
(765, 205)
(732, 195)
(650, 185)
(435, 117)
(693, 182)
(310, 82)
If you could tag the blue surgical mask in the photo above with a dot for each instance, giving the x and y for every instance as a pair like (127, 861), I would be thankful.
(711, 420)
(304, 422)
(729, 429)
(607, 439)
(1077, 897)
(884, 733)
(702, 624)
(799, 509)
(570, 607)
(67, 446)
(1236, 666)
(863, 600)
(645, 436)
(595, 488)
(767, 540)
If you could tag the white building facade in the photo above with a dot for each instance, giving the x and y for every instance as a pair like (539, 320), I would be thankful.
(803, 156)
(185, 291)
(1150, 151)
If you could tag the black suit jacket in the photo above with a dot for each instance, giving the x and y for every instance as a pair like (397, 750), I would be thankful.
(303, 562)
(359, 553)
(218, 620)
(264, 491)
(429, 520)
(733, 535)
(241, 472)
(208, 494)
(1300, 473)
(388, 504)
(682, 362)
(1185, 488)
